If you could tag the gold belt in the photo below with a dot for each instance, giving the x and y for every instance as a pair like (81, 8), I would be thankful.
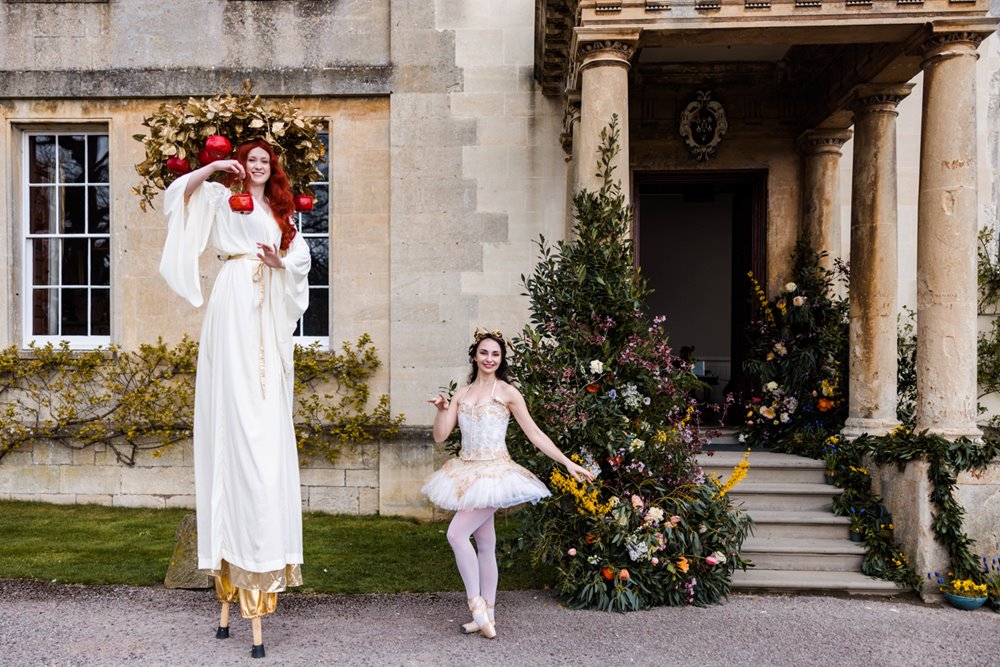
(258, 277)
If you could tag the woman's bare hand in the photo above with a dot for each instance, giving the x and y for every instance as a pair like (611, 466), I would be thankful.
(440, 402)
(270, 256)
(577, 472)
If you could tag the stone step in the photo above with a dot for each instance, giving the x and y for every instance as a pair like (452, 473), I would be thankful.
(815, 524)
(811, 581)
(765, 467)
(823, 555)
(796, 497)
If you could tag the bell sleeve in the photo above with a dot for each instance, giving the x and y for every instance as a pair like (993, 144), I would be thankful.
(188, 228)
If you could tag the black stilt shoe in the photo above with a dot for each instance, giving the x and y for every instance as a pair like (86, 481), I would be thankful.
(257, 651)
(222, 632)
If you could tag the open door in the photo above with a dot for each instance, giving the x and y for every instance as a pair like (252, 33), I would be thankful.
(697, 237)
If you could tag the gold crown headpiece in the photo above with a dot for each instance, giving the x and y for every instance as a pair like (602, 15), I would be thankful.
(482, 333)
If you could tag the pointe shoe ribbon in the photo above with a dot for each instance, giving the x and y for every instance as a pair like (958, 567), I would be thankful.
(478, 607)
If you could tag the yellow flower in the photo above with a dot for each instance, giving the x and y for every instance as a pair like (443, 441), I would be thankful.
(739, 472)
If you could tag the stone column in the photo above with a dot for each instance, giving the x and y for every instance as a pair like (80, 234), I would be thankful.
(946, 239)
(603, 76)
(872, 407)
(570, 139)
(821, 190)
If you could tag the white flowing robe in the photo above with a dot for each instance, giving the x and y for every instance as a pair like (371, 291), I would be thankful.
(246, 461)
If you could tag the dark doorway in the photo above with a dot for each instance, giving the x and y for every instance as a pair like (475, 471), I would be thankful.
(697, 237)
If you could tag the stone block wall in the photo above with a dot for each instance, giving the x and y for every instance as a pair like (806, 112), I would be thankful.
(376, 478)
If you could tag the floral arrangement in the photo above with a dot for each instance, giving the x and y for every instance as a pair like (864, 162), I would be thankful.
(605, 384)
(991, 575)
(963, 588)
(187, 135)
(797, 360)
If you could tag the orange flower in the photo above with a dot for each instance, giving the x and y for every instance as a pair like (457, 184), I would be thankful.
(682, 564)
(592, 388)
(824, 404)
(590, 538)
(624, 575)
(607, 573)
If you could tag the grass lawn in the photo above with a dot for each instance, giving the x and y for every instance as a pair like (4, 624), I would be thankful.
(92, 544)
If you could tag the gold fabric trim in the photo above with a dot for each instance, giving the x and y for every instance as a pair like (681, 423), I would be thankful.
(269, 582)
(254, 602)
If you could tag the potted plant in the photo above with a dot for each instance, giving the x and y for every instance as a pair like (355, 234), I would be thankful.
(992, 575)
(188, 135)
(830, 459)
(857, 519)
(961, 593)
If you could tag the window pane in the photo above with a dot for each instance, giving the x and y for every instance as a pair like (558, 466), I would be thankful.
(316, 221)
(41, 159)
(324, 167)
(72, 209)
(317, 317)
(74, 262)
(44, 306)
(100, 262)
(319, 274)
(42, 210)
(72, 157)
(100, 312)
(98, 211)
(97, 158)
(74, 310)
(44, 261)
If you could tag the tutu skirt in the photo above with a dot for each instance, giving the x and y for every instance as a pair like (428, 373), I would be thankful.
(463, 484)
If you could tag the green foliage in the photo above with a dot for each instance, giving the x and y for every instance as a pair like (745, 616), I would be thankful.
(140, 400)
(797, 360)
(606, 386)
(180, 130)
(906, 369)
(945, 459)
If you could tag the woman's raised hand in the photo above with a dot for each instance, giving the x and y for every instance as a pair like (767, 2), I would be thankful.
(440, 402)
(231, 166)
(577, 472)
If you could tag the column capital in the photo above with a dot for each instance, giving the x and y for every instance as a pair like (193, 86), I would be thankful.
(814, 142)
(944, 45)
(878, 98)
(616, 51)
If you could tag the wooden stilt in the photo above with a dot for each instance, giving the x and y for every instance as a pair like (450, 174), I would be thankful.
(258, 632)
(224, 616)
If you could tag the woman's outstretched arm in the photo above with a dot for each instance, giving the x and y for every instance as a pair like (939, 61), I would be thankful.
(515, 403)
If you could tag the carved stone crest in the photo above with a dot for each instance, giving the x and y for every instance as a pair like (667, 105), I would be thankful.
(703, 122)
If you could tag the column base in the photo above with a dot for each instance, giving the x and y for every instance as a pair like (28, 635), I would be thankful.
(855, 427)
(971, 431)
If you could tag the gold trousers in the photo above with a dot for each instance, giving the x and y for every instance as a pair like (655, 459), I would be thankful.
(253, 603)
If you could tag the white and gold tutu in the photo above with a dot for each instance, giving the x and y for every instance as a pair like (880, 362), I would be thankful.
(483, 475)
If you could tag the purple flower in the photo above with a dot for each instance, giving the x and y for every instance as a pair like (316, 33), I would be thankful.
(612, 394)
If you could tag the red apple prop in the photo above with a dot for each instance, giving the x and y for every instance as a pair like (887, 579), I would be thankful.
(241, 203)
(303, 203)
(218, 147)
(205, 158)
(178, 165)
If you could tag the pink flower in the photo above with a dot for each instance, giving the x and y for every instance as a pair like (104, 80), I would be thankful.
(655, 561)
(637, 502)
(572, 552)
(674, 520)
(711, 560)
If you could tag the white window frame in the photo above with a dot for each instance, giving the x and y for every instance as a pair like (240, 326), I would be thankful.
(26, 238)
(324, 341)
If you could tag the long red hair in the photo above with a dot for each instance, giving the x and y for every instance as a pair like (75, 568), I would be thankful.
(277, 189)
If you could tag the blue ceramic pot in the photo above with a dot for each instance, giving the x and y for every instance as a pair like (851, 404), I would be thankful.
(960, 602)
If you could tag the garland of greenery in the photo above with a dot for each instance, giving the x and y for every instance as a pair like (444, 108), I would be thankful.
(138, 400)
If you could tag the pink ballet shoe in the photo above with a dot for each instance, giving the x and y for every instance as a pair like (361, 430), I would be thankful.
(480, 617)
(472, 627)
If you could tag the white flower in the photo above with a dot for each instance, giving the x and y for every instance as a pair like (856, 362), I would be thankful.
(719, 556)
(785, 418)
(799, 301)
(791, 287)
(742, 438)
(771, 386)
(596, 366)
(654, 514)
(636, 444)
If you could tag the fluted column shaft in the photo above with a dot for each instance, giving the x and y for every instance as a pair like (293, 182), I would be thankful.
(946, 239)
(872, 404)
(821, 190)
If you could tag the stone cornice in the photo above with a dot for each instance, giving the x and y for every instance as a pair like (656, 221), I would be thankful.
(144, 83)
(874, 98)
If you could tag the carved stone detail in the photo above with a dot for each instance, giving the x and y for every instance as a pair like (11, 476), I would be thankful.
(614, 46)
(703, 123)
(571, 116)
(949, 38)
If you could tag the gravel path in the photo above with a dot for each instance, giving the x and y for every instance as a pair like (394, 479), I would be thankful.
(46, 624)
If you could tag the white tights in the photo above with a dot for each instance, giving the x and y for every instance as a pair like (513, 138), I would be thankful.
(478, 570)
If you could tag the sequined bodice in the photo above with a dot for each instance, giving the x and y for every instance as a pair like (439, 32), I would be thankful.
(484, 430)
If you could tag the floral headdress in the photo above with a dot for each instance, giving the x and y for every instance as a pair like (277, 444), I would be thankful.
(482, 333)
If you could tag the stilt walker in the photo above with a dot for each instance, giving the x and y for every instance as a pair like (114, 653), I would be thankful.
(246, 460)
